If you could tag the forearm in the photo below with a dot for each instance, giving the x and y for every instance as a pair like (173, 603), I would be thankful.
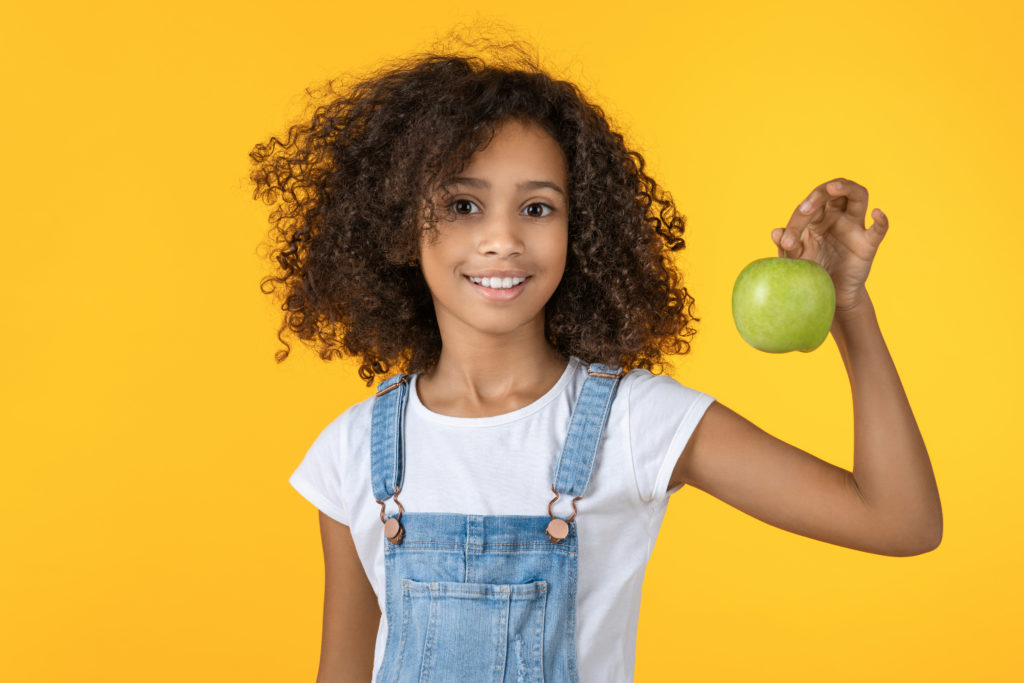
(891, 467)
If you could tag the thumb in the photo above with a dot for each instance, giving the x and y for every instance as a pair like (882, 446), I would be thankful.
(878, 229)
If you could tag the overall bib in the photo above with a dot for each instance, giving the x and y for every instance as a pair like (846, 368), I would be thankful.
(483, 597)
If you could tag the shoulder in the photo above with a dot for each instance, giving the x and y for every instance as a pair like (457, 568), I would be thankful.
(661, 403)
(662, 414)
(351, 423)
(642, 387)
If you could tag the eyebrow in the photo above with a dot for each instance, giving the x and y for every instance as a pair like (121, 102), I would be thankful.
(527, 185)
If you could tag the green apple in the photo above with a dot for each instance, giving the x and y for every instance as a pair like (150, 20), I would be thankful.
(783, 304)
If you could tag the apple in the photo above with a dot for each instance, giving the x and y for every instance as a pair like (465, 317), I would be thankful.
(783, 304)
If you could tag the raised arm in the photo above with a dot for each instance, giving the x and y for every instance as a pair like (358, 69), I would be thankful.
(891, 466)
(889, 504)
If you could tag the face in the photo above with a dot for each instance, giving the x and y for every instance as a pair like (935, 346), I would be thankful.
(508, 223)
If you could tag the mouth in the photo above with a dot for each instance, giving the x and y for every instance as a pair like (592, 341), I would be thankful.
(506, 294)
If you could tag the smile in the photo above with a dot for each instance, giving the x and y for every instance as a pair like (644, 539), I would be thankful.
(506, 294)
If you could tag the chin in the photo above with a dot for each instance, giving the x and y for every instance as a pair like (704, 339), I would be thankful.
(502, 323)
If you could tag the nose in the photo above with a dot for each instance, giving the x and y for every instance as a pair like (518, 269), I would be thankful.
(500, 237)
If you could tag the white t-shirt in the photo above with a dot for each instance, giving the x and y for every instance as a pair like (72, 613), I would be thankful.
(504, 465)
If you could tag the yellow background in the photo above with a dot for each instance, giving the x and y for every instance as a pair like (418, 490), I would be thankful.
(149, 532)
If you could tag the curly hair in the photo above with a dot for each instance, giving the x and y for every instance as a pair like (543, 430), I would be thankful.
(354, 186)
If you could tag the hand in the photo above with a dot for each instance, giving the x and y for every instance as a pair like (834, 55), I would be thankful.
(831, 233)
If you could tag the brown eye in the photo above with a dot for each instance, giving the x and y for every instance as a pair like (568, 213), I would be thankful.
(459, 202)
(543, 215)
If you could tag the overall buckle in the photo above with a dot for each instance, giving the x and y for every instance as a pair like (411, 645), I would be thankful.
(558, 528)
(393, 530)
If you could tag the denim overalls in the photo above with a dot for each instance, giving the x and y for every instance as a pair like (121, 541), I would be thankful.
(483, 597)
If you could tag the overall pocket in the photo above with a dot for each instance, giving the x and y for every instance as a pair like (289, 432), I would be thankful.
(453, 631)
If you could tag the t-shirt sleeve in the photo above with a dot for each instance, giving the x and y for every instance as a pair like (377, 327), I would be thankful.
(662, 416)
(318, 476)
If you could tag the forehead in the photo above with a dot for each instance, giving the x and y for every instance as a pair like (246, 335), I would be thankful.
(523, 186)
(519, 150)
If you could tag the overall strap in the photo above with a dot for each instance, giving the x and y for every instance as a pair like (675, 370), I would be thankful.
(387, 435)
(575, 463)
(586, 426)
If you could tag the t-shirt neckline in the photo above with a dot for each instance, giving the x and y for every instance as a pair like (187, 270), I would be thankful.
(529, 409)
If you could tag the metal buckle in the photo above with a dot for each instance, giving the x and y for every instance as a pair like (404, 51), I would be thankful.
(605, 374)
(405, 378)
(558, 528)
(393, 530)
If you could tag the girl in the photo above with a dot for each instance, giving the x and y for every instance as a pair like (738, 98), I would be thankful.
(488, 512)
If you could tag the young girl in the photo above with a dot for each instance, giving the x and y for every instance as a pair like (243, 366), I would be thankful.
(483, 240)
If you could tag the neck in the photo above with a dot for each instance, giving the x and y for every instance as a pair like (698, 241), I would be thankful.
(479, 372)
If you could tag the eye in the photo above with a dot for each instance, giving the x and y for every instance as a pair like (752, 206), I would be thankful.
(551, 209)
(461, 201)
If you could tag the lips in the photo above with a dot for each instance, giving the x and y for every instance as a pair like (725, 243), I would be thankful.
(493, 272)
(499, 294)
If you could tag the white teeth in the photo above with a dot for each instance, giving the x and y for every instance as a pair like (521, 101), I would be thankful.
(497, 282)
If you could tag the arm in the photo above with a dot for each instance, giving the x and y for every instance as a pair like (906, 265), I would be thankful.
(890, 462)
(351, 614)
(888, 505)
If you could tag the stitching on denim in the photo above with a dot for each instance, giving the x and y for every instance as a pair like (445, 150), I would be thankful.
(499, 640)
(520, 665)
(499, 591)
(388, 664)
(428, 644)
(571, 630)
(605, 415)
(538, 639)
(543, 545)
(404, 635)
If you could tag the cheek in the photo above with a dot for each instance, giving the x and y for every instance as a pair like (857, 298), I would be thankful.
(558, 247)
(427, 259)
(429, 265)
(436, 260)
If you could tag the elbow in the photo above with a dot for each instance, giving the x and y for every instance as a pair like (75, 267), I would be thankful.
(935, 538)
(932, 544)
(924, 543)
(934, 534)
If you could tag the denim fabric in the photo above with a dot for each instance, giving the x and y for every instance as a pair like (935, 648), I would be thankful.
(483, 597)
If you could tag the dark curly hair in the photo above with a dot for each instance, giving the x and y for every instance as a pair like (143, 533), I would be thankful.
(354, 187)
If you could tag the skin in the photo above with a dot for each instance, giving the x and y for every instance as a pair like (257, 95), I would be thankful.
(888, 505)
(497, 227)
(351, 614)
(828, 229)
(506, 228)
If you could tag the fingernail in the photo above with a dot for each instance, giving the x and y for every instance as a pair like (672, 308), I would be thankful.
(806, 206)
(787, 241)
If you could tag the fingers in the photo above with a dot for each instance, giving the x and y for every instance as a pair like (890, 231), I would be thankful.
(810, 211)
(856, 197)
(794, 250)
(839, 195)
(878, 228)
